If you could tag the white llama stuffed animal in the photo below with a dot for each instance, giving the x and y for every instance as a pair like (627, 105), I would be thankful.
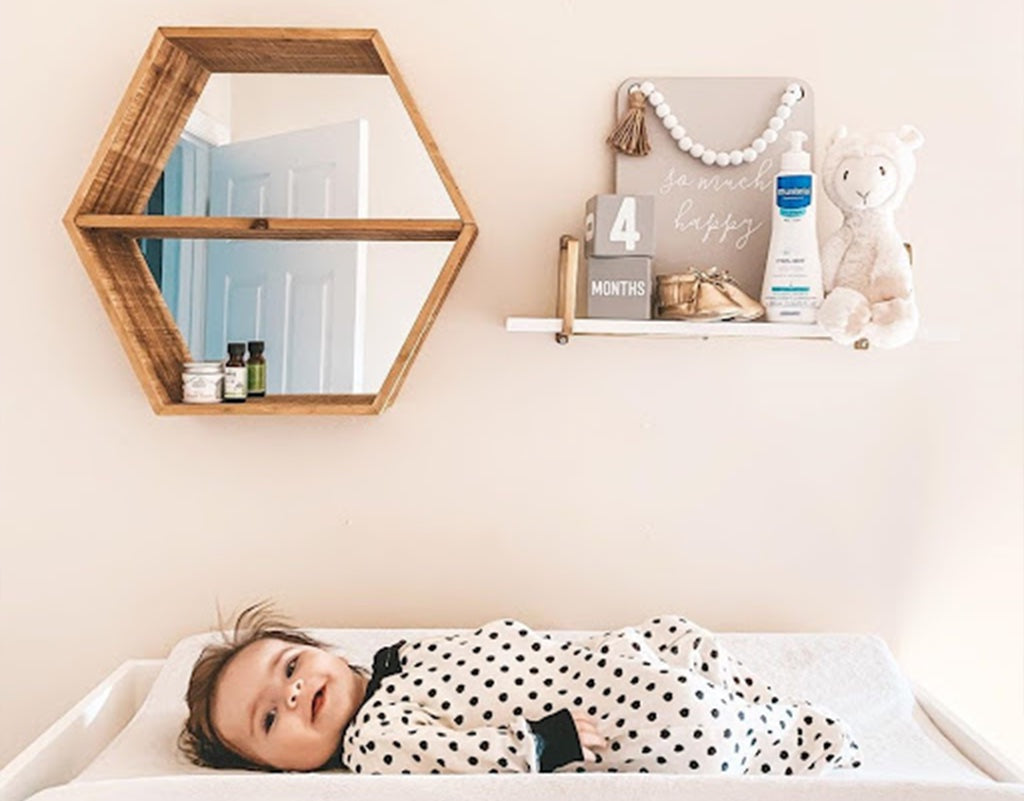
(865, 267)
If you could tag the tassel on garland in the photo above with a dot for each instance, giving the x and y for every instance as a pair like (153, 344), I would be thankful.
(630, 135)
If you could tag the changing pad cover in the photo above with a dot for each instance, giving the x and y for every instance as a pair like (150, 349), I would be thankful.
(855, 676)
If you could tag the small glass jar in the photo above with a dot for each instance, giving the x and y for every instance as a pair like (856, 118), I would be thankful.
(202, 382)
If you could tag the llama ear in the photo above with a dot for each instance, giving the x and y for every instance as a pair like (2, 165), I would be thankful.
(911, 137)
(840, 133)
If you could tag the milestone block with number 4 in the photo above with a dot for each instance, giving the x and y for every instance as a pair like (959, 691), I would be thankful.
(619, 225)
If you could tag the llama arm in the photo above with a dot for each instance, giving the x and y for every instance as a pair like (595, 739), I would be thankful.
(893, 269)
(832, 253)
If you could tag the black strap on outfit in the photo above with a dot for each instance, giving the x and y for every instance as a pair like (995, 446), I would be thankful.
(386, 662)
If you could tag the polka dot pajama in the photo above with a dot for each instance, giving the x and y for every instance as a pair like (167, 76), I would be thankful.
(666, 695)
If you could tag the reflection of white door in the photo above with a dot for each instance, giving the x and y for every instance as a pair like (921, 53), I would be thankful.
(305, 300)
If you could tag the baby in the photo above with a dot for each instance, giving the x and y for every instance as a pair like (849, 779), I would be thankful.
(662, 696)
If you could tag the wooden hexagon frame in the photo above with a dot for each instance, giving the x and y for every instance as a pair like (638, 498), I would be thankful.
(106, 214)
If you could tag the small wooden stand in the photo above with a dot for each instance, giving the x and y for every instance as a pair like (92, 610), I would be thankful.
(568, 269)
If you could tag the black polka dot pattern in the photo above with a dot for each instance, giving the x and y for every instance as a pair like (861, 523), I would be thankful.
(665, 694)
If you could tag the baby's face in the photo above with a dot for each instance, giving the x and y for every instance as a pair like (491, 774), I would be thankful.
(285, 705)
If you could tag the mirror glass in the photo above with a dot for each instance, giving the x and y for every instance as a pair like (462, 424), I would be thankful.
(332, 315)
(299, 145)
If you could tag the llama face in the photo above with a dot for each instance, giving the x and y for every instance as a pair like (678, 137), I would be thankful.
(870, 171)
(866, 182)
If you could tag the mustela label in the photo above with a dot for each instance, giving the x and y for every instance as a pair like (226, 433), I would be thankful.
(793, 194)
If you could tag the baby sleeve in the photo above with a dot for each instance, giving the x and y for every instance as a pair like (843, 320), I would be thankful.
(403, 738)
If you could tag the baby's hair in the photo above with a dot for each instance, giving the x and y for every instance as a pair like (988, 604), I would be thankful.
(199, 740)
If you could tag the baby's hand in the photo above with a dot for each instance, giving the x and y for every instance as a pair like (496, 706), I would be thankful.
(590, 739)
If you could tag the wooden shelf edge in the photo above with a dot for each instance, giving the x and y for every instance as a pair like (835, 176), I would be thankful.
(583, 326)
(278, 404)
(279, 49)
(270, 33)
(163, 227)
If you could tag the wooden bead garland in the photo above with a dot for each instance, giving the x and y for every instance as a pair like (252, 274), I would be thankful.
(630, 136)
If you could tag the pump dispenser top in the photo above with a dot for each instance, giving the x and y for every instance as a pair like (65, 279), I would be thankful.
(796, 159)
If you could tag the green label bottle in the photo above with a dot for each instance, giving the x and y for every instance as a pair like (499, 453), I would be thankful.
(257, 367)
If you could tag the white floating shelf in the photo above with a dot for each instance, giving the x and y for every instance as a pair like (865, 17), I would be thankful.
(568, 324)
(672, 328)
(684, 328)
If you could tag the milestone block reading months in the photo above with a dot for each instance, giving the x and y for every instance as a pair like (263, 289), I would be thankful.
(618, 289)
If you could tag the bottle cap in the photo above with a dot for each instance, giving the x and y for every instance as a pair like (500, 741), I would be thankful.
(256, 347)
(796, 159)
(236, 348)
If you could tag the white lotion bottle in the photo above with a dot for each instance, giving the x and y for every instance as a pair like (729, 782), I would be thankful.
(792, 287)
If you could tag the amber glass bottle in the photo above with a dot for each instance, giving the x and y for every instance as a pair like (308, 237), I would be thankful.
(257, 366)
(235, 382)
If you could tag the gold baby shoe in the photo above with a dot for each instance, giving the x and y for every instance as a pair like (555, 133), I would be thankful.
(676, 295)
(713, 303)
(750, 309)
(695, 295)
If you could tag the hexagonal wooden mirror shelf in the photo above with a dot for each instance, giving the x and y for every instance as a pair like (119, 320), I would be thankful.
(271, 184)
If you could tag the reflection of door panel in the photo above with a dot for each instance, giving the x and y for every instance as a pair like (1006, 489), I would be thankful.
(246, 195)
(235, 309)
(330, 359)
(311, 308)
(305, 300)
(317, 172)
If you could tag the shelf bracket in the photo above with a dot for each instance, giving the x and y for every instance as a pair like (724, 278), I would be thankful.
(568, 268)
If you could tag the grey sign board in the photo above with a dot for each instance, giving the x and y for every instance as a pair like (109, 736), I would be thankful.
(705, 215)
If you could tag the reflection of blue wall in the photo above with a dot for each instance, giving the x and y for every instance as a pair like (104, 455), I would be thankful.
(151, 250)
(170, 257)
(183, 189)
(163, 257)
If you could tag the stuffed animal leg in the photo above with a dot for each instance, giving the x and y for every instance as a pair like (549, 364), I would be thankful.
(893, 323)
(844, 314)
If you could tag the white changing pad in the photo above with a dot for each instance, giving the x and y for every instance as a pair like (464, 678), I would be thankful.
(854, 676)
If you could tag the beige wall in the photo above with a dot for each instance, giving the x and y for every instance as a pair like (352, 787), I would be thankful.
(752, 485)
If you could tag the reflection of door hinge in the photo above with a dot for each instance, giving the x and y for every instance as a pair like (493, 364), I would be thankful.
(568, 268)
